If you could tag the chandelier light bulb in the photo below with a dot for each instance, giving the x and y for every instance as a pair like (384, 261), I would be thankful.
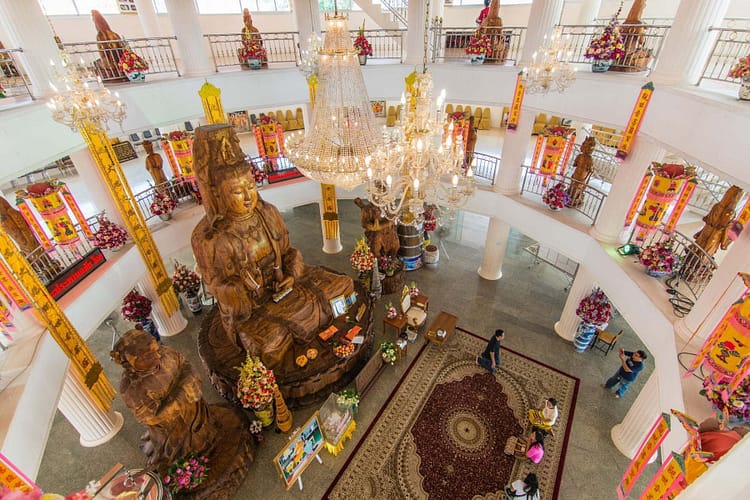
(454, 180)
(389, 180)
(416, 186)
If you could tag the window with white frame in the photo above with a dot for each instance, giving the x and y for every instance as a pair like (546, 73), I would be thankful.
(78, 7)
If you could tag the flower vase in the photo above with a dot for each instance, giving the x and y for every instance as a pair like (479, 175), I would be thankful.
(150, 327)
(165, 216)
(194, 304)
(477, 58)
(600, 65)
(265, 415)
(745, 88)
(362, 59)
(584, 336)
(254, 63)
(657, 274)
(136, 76)
(553, 208)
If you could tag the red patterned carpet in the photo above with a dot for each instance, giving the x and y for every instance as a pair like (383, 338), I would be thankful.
(442, 432)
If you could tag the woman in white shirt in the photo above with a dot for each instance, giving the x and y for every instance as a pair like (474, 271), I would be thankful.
(544, 418)
(528, 488)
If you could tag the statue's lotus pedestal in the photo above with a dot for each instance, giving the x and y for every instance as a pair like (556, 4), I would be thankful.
(301, 386)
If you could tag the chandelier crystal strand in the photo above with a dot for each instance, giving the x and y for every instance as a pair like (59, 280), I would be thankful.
(549, 66)
(420, 164)
(342, 131)
(84, 99)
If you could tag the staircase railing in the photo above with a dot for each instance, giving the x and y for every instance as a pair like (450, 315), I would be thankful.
(399, 9)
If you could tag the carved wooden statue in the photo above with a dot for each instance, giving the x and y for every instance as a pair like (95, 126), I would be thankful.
(492, 26)
(715, 233)
(636, 58)
(380, 232)
(471, 142)
(249, 34)
(268, 298)
(17, 228)
(110, 49)
(584, 166)
(154, 163)
(164, 393)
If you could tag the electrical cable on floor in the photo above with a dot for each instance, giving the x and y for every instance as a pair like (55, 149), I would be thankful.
(681, 304)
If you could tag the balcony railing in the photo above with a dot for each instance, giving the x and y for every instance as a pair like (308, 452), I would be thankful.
(449, 44)
(386, 44)
(12, 77)
(485, 166)
(103, 60)
(178, 189)
(281, 47)
(642, 48)
(592, 198)
(730, 45)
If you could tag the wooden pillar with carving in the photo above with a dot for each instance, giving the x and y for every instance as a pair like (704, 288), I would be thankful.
(211, 99)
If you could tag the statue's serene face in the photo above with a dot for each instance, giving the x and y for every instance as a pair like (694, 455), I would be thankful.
(239, 195)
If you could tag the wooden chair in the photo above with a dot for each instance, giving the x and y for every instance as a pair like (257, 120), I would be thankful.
(605, 341)
(449, 109)
(485, 122)
(415, 313)
(540, 122)
(280, 118)
(467, 111)
(300, 117)
(291, 121)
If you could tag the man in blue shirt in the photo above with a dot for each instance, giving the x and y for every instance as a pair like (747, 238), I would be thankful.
(632, 364)
(490, 358)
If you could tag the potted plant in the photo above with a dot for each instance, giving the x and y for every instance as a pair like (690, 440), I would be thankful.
(133, 65)
(253, 52)
(137, 308)
(388, 264)
(163, 206)
(348, 398)
(362, 259)
(556, 197)
(188, 282)
(363, 47)
(259, 175)
(741, 70)
(595, 312)
(388, 352)
(659, 259)
(479, 48)
(390, 311)
(606, 46)
(255, 388)
(110, 236)
(187, 473)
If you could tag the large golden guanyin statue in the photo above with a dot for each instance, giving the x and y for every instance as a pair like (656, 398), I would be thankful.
(271, 304)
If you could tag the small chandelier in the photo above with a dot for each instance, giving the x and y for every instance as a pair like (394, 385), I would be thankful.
(420, 164)
(552, 70)
(342, 131)
(84, 100)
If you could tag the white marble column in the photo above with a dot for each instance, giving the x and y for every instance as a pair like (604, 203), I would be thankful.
(330, 245)
(307, 17)
(167, 325)
(494, 249)
(515, 146)
(724, 288)
(148, 18)
(609, 224)
(415, 17)
(688, 43)
(192, 47)
(94, 425)
(628, 435)
(543, 16)
(567, 326)
(589, 11)
(29, 30)
(88, 173)
(437, 9)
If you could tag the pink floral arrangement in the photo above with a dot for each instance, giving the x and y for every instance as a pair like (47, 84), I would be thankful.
(162, 204)
(177, 135)
(252, 49)
(256, 384)
(659, 257)
(741, 68)
(735, 404)
(185, 281)
(259, 175)
(41, 189)
(109, 235)
(130, 61)
(361, 44)
(609, 44)
(390, 311)
(362, 259)
(595, 309)
(430, 219)
(413, 290)
(135, 307)
(266, 120)
(187, 473)
(556, 196)
(478, 45)
(388, 264)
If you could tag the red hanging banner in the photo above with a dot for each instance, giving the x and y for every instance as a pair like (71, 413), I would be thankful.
(634, 123)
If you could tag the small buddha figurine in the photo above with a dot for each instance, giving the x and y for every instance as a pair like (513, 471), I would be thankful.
(584, 166)
(17, 228)
(154, 163)
(111, 48)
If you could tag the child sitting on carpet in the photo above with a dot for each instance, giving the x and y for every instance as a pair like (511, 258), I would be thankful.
(528, 488)
(544, 418)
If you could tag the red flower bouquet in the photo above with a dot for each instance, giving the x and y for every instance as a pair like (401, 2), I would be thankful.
(187, 473)
(556, 196)
(256, 384)
(595, 309)
(735, 404)
(252, 49)
(130, 61)
(609, 44)
(109, 235)
(478, 45)
(185, 281)
(741, 68)
(163, 204)
(177, 135)
(362, 259)
(659, 257)
(135, 307)
(361, 44)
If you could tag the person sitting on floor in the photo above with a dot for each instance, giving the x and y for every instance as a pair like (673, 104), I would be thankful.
(544, 418)
(535, 447)
(528, 488)
(490, 358)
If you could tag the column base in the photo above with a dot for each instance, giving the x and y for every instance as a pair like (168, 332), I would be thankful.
(117, 421)
(332, 246)
(173, 325)
(561, 333)
(489, 276)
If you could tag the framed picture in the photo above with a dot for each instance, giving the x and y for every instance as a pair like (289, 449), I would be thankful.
(127, 6)
(378, 108)
(351, 299)
(338, 304)
(239, 120)
(301, 449)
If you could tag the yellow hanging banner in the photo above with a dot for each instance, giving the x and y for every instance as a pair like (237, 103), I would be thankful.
(330, 211)
(653, 440)
(667, 482)
(634, 123)
(211, 99)
(515, 107)
(114, 178)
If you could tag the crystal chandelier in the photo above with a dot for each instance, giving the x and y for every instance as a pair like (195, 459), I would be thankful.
(84, 99)
(552, 69)
(420, 164)
(342, 132)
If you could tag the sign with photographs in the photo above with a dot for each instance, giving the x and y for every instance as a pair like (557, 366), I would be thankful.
(378, 108)
(301, 449)
(239, 120)
(127, 6)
